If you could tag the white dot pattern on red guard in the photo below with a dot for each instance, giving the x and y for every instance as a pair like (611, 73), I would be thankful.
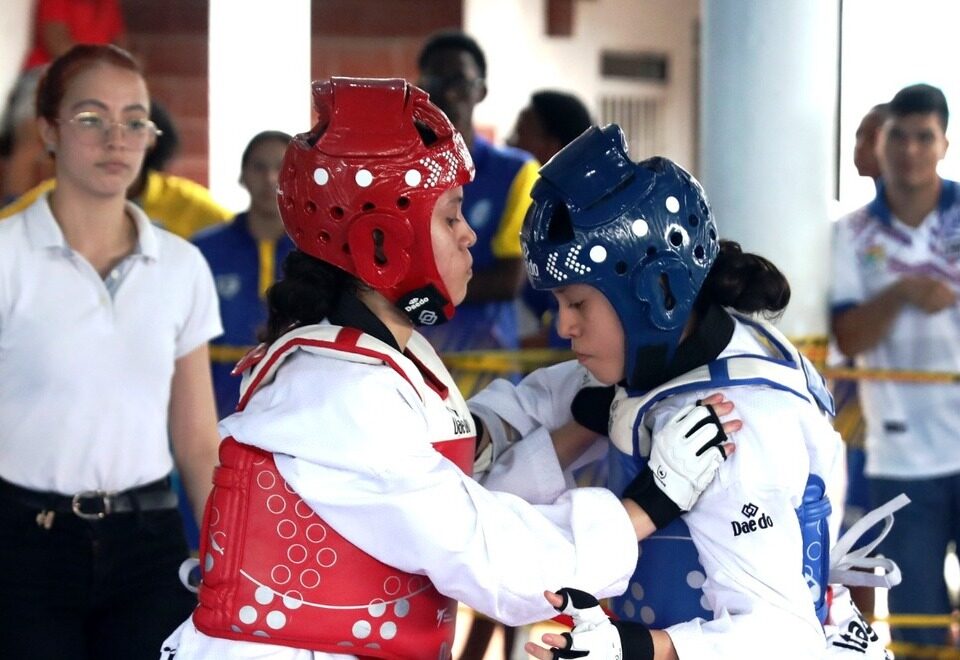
(297, 575)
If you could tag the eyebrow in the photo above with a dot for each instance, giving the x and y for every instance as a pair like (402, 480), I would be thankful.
(101, 104)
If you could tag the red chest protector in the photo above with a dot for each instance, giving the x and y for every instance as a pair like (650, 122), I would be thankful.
(274, 572)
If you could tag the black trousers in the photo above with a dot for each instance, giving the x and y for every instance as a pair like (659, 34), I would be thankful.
(90, 590)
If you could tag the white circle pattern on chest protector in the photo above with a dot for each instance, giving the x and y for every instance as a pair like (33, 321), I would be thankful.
(672, 204)
(640, 228)
(321, 176)
(598, 254)
(294, 581)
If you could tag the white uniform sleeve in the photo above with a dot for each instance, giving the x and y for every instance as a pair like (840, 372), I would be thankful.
(524, 460)
(846, 283)
(746, 531)
(757, 635)
(201, 318)
(380, 484)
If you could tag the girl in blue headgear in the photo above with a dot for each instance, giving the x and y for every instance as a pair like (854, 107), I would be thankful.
(654, 302)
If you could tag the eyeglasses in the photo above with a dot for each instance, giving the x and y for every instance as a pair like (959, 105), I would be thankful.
(93, 129)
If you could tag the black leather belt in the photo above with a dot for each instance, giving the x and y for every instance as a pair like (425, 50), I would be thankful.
(95, 504)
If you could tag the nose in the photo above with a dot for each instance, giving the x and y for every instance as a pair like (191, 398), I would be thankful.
(469, 236)
(115, 133)
(566, 323)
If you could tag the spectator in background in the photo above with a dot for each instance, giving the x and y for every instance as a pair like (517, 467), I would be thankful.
(245, 257)
(849, 418)
(453, 71)
(865, 150)
(177, 204)
(548, 123)
(61, 24)
(25, 163)
(104, 324)
(896, 273)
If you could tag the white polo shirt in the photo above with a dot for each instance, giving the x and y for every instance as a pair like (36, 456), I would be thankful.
(85, 376)
(911, 428)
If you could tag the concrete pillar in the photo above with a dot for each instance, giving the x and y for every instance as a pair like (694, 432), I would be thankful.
(768, 107)
(259, 80)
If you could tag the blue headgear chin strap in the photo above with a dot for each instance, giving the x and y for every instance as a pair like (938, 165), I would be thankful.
(641, 233)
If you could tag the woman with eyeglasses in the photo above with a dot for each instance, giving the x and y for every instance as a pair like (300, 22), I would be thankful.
(104, 323)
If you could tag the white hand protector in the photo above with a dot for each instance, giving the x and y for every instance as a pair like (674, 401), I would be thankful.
(596, 636)
(687, 453)
(849, 635)
(682, 464)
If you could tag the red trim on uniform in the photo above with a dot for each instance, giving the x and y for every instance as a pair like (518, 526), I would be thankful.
(432, 380)
(320, 343)
(348, 336)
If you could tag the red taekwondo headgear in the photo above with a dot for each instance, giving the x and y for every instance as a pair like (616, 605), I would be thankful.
(358, 190)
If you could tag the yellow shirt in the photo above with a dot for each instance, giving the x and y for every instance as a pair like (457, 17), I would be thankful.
(179, 205)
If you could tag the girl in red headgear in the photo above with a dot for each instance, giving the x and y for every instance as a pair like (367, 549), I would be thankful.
(344, 519)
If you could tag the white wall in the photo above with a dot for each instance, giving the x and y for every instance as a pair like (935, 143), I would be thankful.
(522, 59)
(254, 87)
(15, 29)
(884, 49)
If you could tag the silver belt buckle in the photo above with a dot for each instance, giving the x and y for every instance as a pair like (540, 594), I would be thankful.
(87, 495)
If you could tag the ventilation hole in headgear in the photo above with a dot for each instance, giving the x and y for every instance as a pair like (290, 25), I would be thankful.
(713, 234)
(426, 133)
(368, 206)
(669, 302)
(698, 252)
(560, 227)
(403, 203)
(323, 237)
(620, 268)
(676, 239)
(309, 207)
(652, 251)
(379, 257)
(336, 213)
(693, 220)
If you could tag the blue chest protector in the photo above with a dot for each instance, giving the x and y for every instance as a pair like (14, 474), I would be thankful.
(666, 587)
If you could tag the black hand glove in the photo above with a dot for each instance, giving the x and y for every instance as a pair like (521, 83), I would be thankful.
(596, 636)
(591, 408)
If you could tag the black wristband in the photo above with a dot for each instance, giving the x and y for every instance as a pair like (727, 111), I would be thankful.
(644, 491)
(635, 640)
(591, 408)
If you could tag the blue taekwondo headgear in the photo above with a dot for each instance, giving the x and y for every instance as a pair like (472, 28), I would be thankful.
(641, 233)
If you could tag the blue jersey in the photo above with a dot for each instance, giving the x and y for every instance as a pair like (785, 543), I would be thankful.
(494, 204)
(243, 268)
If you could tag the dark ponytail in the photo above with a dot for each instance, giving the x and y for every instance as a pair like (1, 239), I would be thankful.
(307, 294)
(745, 282)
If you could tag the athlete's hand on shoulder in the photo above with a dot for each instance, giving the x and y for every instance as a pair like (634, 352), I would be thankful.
(684, 458)
(594, 635)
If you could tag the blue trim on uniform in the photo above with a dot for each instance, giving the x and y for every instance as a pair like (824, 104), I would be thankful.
(719, 370)
(879, 209)
(788, 355)
(840, 308)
